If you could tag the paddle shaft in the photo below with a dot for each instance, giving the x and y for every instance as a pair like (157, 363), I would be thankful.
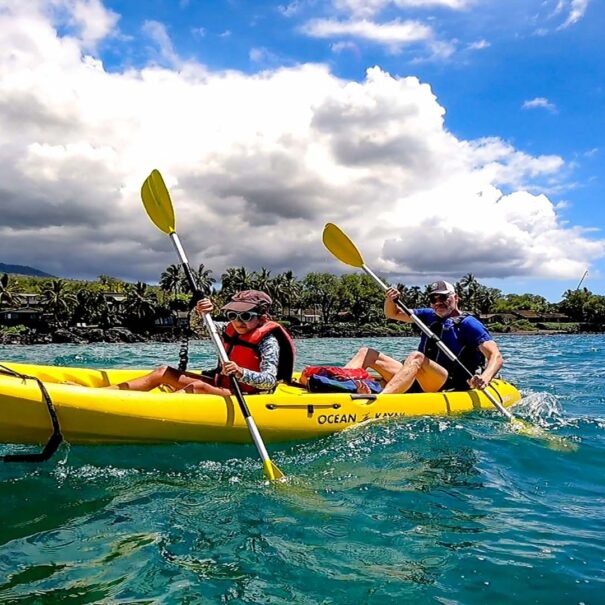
(432, 336)
(218, 343)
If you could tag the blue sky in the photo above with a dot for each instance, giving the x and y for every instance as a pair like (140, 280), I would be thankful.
(445, 136)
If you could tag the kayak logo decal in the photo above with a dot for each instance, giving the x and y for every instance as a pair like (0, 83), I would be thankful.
(336, 418)
(350, 418)
(389, 414)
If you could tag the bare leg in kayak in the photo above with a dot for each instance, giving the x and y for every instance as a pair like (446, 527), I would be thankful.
(179, 381)
(430, 375)
(366, 358)
(400, 376)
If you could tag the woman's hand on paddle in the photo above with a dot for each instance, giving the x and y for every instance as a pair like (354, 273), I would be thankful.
(230, 368)
(204, 306)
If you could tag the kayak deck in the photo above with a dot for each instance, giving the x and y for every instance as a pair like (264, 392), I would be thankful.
(90, 414)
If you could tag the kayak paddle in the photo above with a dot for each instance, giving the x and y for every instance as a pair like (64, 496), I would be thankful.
(158, 205)
(340, 246)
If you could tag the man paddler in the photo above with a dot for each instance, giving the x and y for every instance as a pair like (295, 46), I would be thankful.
(428, 369)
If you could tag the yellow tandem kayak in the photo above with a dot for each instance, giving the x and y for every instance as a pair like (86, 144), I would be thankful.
(88, 414)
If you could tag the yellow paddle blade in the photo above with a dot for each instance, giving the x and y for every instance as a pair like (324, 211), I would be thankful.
(554, 442)
(158, 205)
(271, 471)
(341, 246)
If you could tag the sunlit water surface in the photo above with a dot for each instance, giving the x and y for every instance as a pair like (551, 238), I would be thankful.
(445, 510)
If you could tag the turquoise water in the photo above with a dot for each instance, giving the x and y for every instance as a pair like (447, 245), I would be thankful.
(455, 510)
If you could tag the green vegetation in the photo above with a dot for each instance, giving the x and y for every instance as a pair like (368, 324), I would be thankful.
(318, 304)
(522, 325)
(15, 330)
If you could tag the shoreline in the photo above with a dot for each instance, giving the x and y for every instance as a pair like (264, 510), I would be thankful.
(123, 335)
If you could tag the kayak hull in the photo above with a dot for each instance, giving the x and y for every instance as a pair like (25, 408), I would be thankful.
(90, 414)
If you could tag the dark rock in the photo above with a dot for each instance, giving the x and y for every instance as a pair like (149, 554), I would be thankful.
(122, 335)
(62, 335)
(96, 335)
(90, 334)
(40, 339)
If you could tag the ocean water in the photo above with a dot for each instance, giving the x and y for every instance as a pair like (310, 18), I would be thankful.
(452, 510)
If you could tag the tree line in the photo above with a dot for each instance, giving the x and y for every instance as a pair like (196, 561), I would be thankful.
(324, 298)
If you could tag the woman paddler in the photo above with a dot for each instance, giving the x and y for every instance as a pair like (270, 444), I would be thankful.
(260, 351)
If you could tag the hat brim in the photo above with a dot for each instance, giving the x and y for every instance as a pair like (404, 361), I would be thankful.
(442, 292)
(239, 306)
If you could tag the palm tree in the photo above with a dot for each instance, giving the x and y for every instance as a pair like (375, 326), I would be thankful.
(140, 305)
(7, 294)
(85, 306)
(234, 280)
(467, 281)
(203, 278)
(57, 301)
(286, 291)
(413, 296)
(170, 279)
(111, 284)
(262, 280)
(467, 289)
(292, 290)
(92, 308)
(486, 298)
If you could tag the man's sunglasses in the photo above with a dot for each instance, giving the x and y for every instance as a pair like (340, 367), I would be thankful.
(438, 298)
(245, 316)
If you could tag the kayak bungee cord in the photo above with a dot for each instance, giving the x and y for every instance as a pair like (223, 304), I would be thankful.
(56, 437)
(184, 350)
(187, 331)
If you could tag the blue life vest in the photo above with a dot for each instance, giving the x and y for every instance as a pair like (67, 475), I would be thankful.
(450, 331)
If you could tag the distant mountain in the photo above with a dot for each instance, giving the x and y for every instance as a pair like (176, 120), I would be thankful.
(23, 270)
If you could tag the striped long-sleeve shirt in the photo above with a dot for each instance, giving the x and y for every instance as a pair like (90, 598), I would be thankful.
(266, 378)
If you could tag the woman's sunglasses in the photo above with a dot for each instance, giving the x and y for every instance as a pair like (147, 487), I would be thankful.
(245, 316)
(438, 298)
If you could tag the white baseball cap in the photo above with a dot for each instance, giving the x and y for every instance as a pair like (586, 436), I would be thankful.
(441, 287)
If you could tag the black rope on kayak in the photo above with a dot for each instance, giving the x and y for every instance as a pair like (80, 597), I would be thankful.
(55, 439)
(187, 331)
(184, 350)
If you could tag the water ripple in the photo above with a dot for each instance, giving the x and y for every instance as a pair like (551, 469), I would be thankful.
(456, 510)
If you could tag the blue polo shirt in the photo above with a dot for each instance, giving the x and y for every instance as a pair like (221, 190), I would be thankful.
(463, 340)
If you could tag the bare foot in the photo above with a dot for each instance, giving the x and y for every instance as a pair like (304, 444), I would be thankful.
(362, 388)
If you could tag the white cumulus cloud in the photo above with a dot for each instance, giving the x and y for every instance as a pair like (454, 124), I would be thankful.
(256, 165)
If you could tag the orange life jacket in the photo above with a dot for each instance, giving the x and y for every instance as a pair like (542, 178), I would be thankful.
(243, 349)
